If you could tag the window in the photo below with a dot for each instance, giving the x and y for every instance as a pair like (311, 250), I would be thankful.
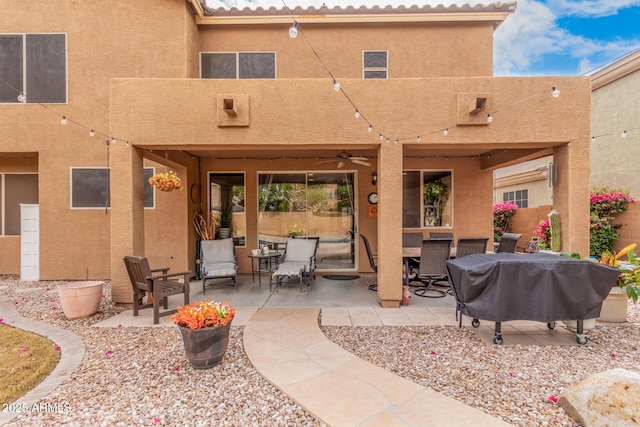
(34, 64)
(19, 188)
(519, 197)
(374, 64)
(427, 199)
(238, 65)
(226, 201)
(90, 188)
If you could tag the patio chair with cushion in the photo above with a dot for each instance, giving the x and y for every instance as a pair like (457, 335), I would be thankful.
(219, 261)
(160, 286)
(299, 260)
(508, 242)
(433, 258)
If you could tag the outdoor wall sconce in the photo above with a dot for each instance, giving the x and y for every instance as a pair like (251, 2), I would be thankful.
(374, 178)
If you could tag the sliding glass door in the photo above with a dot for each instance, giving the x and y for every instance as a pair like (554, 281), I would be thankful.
(310, 205)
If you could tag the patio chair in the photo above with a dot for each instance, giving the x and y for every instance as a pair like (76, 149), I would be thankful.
(412, 240)
(299, 260)
(433, 258)
(508, 242)
(372, 261)
(160, 286)
(471, 245)
(317, 240)
(440, 235)
(218, 261)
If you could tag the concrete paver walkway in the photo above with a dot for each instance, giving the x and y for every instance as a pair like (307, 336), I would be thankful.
(287, 347)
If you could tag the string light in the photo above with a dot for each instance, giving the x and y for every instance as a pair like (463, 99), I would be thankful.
(418, 139)
(489, 118)
(370, 128)
(624, 134)
(381, 138)
(357, 114)
(63, 120)
(445, 132)
(21, 97)
(91, 133)
(293, 31)
(336, 85)
(113, 140)
(555, 92)
(593, 139)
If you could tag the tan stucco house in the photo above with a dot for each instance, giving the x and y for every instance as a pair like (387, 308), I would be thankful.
(244, 113)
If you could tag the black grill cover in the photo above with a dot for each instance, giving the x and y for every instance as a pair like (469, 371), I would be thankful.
(540, 287)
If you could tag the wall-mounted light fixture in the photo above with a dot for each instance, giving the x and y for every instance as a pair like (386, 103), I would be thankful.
(374, 178)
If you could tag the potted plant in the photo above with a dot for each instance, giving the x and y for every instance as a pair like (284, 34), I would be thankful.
(435, 193)
(206, 225)
(225, 222)
(168, 181)
(79, 299)
(614, 307)
(205, 327)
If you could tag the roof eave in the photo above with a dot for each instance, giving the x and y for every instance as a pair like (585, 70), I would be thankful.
(616, 70)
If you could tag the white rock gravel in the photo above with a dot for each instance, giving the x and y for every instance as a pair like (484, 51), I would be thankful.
(140, 376)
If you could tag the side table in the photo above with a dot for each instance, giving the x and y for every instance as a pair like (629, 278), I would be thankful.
(266, 263)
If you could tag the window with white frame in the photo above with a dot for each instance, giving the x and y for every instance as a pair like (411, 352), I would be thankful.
(90, 188)
(34, 65)
(238, 65)
(15, 189)
(374, 64)
(519, 197)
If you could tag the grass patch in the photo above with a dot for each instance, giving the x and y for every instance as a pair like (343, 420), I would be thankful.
(27, 359)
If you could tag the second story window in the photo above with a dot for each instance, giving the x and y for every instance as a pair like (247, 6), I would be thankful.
(519, 197)
(374, 64)
(238, 65)
(34, 65)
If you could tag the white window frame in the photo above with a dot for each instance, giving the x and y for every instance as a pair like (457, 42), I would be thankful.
(237, 54)
(384, 69)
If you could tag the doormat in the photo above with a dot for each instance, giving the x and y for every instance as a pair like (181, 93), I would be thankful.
(341, 276)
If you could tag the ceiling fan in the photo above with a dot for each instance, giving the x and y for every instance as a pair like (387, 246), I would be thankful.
(345, 157)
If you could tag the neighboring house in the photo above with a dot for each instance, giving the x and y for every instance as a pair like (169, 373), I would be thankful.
(527, 184)
(249, 119)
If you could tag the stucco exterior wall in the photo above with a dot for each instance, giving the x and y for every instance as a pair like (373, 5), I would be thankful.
(613, 158)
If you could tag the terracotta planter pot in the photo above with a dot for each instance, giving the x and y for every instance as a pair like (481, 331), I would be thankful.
(614, 307)
(205, 348)
(79, 299)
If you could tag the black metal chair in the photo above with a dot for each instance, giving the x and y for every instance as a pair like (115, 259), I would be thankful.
(471, 245)
(508, 242)
(433, 258)
(412, 240)
(372, 261)
(440, 235)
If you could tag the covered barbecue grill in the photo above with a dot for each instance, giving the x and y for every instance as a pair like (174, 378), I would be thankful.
(540, 287)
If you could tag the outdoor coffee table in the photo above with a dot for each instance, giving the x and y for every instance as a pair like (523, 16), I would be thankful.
(266, 264)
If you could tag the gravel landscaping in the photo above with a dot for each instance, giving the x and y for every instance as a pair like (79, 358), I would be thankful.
(140, 376)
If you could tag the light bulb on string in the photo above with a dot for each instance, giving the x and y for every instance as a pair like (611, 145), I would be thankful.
(21, 97)
(381, 137)
(357, 114)
(445, 132)
(91, 133)
(623, 134)
(370, 128)
(63, 120)
(293, 31)
(395, 142)
(336, 85)
(113, 140)
(418, 139)
(489, 118)
(555, 92)
(387, 140)
(593, 139)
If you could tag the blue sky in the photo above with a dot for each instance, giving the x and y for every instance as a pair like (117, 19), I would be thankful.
(552, 37)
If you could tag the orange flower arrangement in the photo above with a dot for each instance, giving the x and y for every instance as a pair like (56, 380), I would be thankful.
(166, 181)
(203, 314)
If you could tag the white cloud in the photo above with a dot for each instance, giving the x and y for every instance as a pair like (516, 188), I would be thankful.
(590, 8)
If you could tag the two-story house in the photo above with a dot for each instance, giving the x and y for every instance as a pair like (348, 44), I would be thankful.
(333, 133)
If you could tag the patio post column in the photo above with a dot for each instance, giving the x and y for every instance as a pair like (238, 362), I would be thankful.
(571, 194)
(390, 225)
(127, 216)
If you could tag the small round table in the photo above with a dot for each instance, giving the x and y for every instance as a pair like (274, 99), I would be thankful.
(267, 263)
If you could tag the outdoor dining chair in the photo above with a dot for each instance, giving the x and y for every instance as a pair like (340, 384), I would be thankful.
(219, 261)
(471, 245)
(440, 235)
(299, 260)
(508, 242)
(433, 258)
(412, 240)
(372, 260)
(160, 286)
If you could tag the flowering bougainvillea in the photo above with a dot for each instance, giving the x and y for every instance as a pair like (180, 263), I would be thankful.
(604, 203)
(166, 181)
(502, 213)
(544, 231)
(203, 314)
